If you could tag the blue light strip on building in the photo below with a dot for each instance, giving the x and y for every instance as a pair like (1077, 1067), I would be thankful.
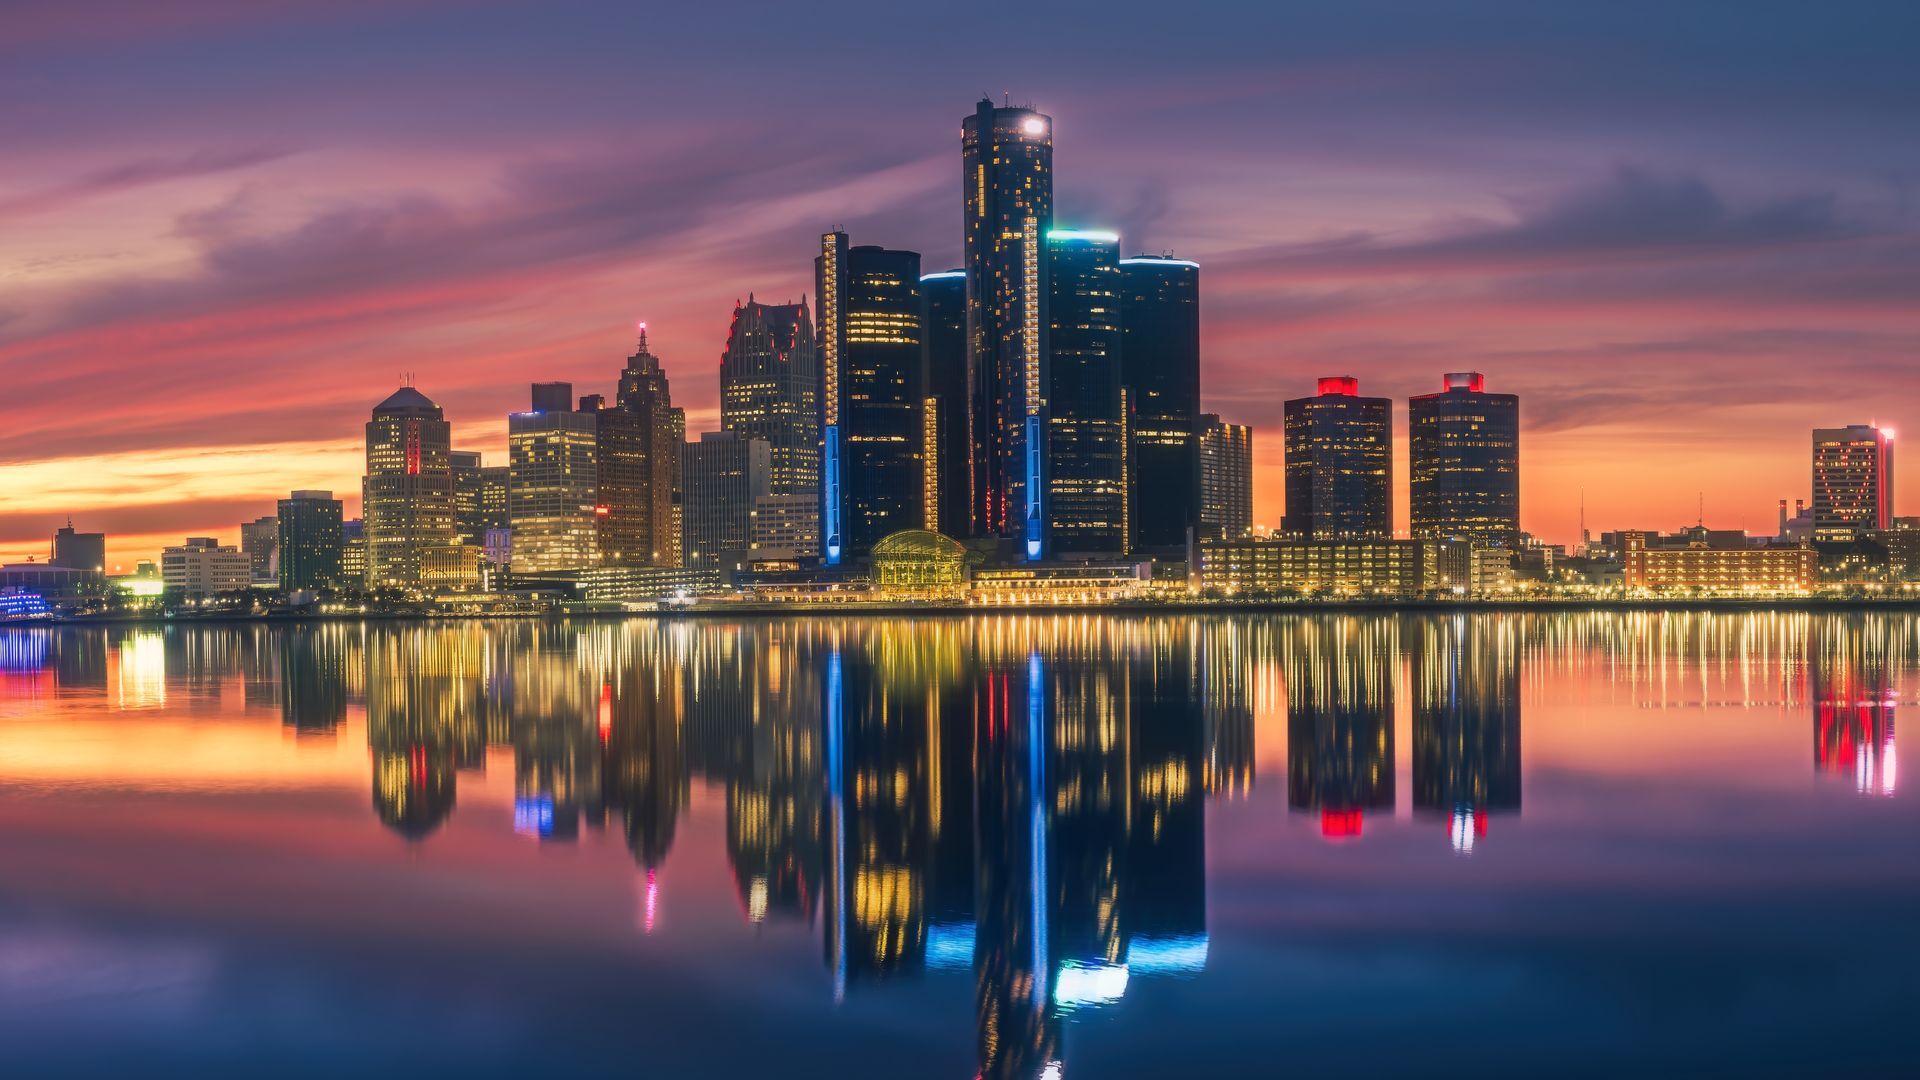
(1036, 533)
(830, 497)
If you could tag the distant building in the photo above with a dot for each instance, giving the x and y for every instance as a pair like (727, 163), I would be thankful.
(551, 485)
(873, 393)
(353, 554)
(770, 390)
(310, 541)
(78, 550)
(640, 466)
(260, 542)
(479, 496)
(1700, 568)
(945, 294)
(1086, 418)
(1226, 479)
(1339, 464)
(1160, 362)
(1007, 176)
(201, 567)
(1463, 454)
(726, 477)
(407, 501)
(1852, 481)
(1356, 567)
(786, 528)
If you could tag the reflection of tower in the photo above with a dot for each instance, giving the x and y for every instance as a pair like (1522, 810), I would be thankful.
(556, 756)
(1854, 702)
(1018, 1031)
(1226, 709)
(313, 689)
(645, 769)
(1466, 723)
(79, 656)
(774, 794)
(1166, 902)
(885, 802)
(1340, 720)
(1091, 776)
(423, 721)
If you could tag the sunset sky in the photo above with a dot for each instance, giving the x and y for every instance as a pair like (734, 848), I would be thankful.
(1685, 233)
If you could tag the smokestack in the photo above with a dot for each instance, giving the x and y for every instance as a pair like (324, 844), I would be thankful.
(1783, 517)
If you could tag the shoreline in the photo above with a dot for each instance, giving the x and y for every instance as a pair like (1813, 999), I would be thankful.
(916, 611)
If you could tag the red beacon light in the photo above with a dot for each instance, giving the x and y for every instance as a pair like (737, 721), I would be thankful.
(1471, 381)
(1339, 386)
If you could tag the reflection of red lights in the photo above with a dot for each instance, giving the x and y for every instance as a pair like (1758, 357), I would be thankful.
(606, 710)
(1340, 824)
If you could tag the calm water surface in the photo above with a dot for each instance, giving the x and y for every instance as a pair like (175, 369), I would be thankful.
(1488, 844)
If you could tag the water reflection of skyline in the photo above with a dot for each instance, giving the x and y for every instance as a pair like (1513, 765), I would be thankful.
(1020, 799)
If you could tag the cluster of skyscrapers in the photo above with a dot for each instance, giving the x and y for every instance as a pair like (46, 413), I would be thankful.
(1026, 403)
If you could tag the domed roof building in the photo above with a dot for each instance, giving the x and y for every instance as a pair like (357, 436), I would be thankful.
(919, 563)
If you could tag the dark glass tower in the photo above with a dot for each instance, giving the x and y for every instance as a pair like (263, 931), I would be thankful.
(770, 389)
(1087, 474)
(873, 396)
(1339, 464)
(1007, 180)
(1463, 454)
(310, 540)
(1160, 371)
(946, 298)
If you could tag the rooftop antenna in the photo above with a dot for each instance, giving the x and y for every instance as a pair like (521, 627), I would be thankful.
(1703, 509)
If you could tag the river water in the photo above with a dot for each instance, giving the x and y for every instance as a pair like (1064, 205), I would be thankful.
(1497, 844)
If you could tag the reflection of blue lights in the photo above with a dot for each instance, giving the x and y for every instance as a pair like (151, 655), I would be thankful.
(1183, 955)
(533, 815)
(1037, 777)
(23, 652)
(1077, 985)
(950, 945)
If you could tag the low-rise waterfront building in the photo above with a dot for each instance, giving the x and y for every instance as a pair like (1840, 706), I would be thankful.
(202, 567)
(1348, 567)
(1700, 568)
(1061, 583)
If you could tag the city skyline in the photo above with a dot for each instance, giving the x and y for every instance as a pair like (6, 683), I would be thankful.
(248, 275)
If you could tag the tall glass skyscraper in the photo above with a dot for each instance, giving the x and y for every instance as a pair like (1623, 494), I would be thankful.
(1226, 478)
(1852, 481)
(552, 490)
(1160, 369)
(639, 483)
(309, 541)
(873, 394)
(1007, 177)
(946, 298)
(1087, 474)
(770, 390)
(1463, 461)
(407, 495)
(1339, 464)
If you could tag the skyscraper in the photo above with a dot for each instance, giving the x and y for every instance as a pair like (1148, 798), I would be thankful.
(1087, 436)
(641, 485)
(479, 496)
(551, 486)
(1160, 369)
(770, 390)
(1226, 479)
(310, 540)
(1007, 177)
(1463, 456)
(873, 386)
(727, 475)
(946, 299)
(78, 550)
(1852, 481)
(258, 539)
(408, 494)
(1339, 464)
